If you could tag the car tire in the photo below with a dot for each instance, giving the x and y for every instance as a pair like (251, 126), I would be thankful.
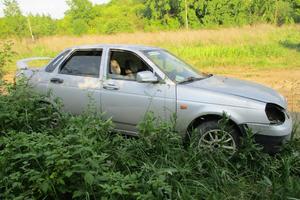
(210, 134)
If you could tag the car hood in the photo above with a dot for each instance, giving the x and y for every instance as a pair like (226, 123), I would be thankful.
(236, 87)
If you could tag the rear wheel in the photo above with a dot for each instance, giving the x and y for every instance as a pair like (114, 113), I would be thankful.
(210, 135)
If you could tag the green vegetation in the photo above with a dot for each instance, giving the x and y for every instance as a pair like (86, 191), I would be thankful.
(211, 50)
(274, 51)
(82, 158)
(6, 54)
(45, 154)
(147, 15)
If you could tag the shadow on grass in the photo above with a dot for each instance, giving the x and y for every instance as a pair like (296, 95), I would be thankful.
(290, 45)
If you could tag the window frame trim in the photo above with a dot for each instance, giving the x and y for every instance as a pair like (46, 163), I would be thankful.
(67, 51)
(107, 74)
(71, 53)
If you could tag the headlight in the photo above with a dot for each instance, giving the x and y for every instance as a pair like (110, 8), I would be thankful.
(275, 113)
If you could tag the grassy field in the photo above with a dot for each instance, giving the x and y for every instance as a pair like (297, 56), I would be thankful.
(259, 47)
(263, 53)
(81, 157)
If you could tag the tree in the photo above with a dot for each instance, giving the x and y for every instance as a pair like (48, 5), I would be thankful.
(12, 8)
(117, 16)
(15, 22)
(80, 9)
(167, 12)
(42, 25)
(80, 13)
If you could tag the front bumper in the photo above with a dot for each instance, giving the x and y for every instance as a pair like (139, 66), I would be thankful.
(271, 137)
(271, 144)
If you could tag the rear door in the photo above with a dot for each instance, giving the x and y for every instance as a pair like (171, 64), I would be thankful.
(41, 79)
(77, 81)
(127, 101)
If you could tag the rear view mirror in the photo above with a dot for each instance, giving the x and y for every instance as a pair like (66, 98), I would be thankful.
(146, 77)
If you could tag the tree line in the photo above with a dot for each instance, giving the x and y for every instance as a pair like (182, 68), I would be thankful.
(83, 17)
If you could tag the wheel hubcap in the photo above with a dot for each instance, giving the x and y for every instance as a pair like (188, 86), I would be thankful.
(217, 139)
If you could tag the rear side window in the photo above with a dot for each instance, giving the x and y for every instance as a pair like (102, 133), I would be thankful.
(55, 62)
(83, 63)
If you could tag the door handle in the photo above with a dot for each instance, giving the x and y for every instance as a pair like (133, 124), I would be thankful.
(57, 80)
(110, 86)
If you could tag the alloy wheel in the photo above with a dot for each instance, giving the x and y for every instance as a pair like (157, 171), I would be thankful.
(218, 139)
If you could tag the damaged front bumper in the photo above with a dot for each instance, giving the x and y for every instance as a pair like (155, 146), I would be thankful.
(270, 136)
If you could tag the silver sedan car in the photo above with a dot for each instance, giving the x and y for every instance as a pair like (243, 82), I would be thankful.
(127, 81)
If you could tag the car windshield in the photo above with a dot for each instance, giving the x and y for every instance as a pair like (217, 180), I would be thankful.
(173, 67)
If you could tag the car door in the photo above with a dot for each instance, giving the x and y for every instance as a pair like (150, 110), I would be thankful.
(41, 78)
(127, 101)
(77, 81)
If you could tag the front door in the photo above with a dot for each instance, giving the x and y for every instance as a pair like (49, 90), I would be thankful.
(127, 101)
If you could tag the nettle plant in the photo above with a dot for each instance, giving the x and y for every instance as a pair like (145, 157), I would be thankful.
(82, 157)
(24, 110)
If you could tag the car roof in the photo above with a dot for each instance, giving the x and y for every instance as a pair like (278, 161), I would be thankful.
(117, 46)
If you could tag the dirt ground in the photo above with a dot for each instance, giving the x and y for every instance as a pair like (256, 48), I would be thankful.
(287, 82)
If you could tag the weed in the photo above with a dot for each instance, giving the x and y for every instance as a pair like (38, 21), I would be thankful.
(82, 158)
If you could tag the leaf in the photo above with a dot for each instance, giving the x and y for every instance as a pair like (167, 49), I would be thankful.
(68, 174)
(268, 181)
(45, 187)
(77, 194)
(89, 178)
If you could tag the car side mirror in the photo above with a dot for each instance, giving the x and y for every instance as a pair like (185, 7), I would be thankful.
(146, 77)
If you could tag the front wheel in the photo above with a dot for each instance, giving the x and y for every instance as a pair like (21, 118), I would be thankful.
(209, 135)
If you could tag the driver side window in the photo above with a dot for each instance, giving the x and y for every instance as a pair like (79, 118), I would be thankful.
(125, 65)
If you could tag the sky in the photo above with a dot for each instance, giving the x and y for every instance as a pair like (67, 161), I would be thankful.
(55, 8)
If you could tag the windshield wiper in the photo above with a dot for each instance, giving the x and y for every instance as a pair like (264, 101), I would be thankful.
(190, 79)
(209, 75)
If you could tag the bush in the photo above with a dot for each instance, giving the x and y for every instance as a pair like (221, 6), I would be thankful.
(24, 110)
(6, 54)
(79, 27)
(82, 158)
(118, 25)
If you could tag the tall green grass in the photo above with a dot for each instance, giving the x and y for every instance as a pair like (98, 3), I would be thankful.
(257, 47)
(81, 157)
(274, 51)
